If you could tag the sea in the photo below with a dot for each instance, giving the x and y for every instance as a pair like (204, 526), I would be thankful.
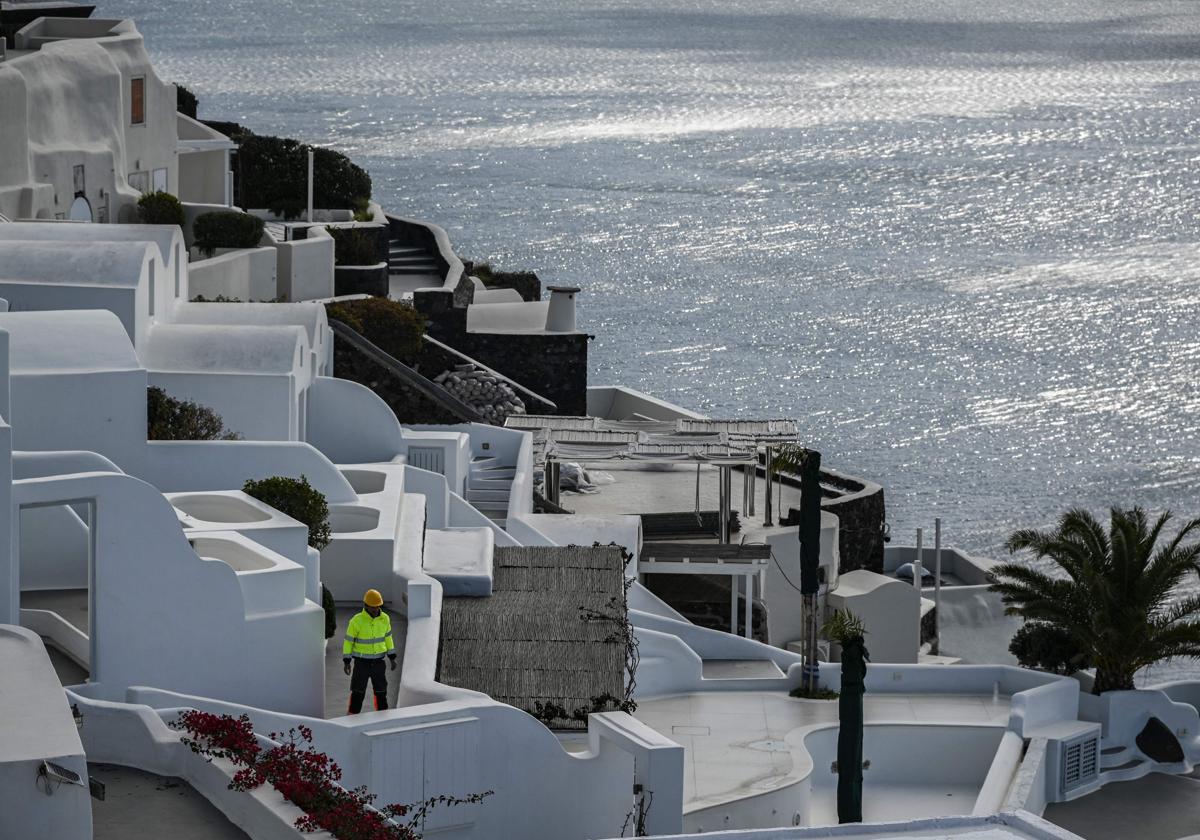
(957, 240)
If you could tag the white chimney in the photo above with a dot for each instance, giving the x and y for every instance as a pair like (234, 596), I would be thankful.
(561, 315)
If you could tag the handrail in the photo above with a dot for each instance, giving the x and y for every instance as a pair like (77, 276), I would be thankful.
(553, 406)
(410, 377)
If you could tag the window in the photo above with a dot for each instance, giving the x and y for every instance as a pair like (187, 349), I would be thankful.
(137, 101)
(140, 181)
(160, 180)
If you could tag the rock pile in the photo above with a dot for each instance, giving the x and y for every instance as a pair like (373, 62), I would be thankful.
(488, 394)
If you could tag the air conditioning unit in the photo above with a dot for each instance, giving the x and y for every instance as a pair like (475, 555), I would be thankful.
(1073, 760)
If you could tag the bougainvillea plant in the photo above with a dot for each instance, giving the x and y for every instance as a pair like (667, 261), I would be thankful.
(304, 776)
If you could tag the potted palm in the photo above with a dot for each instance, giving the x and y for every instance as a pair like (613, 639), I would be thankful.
(1113, 596)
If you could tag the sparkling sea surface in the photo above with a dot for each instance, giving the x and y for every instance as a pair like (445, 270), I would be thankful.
(957, 240)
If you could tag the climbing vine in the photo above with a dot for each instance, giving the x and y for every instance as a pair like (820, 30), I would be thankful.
(616, 612)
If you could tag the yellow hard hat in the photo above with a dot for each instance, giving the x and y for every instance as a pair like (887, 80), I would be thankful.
(373, 598)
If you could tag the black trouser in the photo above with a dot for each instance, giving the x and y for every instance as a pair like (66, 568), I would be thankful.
(376, 671)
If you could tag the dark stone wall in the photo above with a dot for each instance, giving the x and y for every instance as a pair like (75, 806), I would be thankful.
(360, 280)
(860, 520)
(408, 405)
(860, 531)
(553, 365)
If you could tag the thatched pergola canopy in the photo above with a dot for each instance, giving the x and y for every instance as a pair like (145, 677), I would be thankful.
(528, 642)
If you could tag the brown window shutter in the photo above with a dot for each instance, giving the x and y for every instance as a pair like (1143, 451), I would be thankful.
(138, 101)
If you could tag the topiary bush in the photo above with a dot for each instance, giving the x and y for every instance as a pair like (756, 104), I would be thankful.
(1047, 647)
(273, 173)
(296, 498)
(352, 246)
(160, 208)
(226, 229)
(330, 608)
(168, 418)
(394, 327)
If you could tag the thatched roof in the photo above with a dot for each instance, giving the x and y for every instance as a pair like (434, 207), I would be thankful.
(527, 642)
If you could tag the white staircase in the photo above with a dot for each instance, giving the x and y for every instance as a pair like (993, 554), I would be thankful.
(489, 485)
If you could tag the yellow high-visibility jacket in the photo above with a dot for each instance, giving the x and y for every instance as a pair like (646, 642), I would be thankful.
(369, 638)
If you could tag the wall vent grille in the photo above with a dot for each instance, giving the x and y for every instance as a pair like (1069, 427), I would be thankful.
(429, 458)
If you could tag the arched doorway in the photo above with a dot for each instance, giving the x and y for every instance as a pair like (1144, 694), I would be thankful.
(81, 211)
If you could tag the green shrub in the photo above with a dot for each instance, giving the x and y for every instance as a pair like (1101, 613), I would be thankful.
(330, 608)
(226, 229)
(160, 208)
(296, 498)
(363, 211)
(1047, 647)
(168, 418)
(353, 247)
(394, 327)
(273, 173)
(185, 101)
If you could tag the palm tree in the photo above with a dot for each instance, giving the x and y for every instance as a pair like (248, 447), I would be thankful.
(1119, 600)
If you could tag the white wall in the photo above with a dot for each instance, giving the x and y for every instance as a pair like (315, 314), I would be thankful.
(889, 609)
(350, 424)
(179, 465)
(202, 176)
(89, 81)
(142, 563)
(256, 406)
(305, 267)
(247, 274)
(103, 412)
(785, 621)
(36, 725)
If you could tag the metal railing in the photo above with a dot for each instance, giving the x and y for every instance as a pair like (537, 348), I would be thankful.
(419, 383)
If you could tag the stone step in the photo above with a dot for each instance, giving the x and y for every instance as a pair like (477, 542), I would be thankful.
(485, 505)
(425, 269)
(406, 259)
(493, 472)
(487, 495)
(476, 483)
(405, 250)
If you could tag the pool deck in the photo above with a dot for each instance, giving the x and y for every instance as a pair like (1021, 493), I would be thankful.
(642, 488)
(1154, 807)
(744, 743)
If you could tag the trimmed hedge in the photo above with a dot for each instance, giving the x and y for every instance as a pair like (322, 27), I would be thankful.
(353, 247)
(168, 418)
(525, 283)
(273, 173)
(160, 208)
(296, 498)
(185, 101)
(392, 326)
(226, 229)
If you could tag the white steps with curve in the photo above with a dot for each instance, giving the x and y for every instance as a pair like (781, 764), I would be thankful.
(489, 485)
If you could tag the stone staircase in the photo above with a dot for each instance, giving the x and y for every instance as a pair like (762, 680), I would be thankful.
(410, 267)
(488, 487)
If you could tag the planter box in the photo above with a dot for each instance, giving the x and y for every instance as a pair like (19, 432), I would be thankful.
(361, 279)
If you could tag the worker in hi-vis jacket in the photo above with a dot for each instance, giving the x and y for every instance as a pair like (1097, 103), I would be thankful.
(368, 640)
